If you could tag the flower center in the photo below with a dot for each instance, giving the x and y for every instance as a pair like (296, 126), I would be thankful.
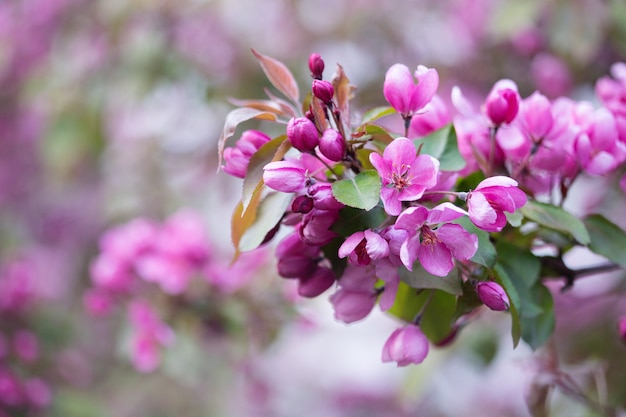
(429, 237)
(361, 253)
(400, 178)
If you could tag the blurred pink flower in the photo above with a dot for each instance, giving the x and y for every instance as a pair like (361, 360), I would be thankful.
(403, 94)
(150, 334)
(406, 345)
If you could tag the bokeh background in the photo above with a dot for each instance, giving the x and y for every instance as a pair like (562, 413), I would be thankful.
(111, 110)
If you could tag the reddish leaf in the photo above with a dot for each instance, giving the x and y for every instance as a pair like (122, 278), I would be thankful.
(284, 105)
(318, 111)
(233, 119)
(243, 219)
(279, 75)
(263, 105)
(343, 93)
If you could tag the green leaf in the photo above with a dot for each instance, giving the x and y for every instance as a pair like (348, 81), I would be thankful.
(362, 191)
(486, 254)
(269, 212)
(442, 144)
(420, 278)
(537, 329)
(271, 151)
(438, 317)
(376, 133)
(352, 220)
(376, 113)
(556, 218)
(502, 278)
(331, 251)
(606, 239)
(468, 301)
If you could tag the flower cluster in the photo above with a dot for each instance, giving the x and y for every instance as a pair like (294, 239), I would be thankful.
(423, 221)
(144, 257)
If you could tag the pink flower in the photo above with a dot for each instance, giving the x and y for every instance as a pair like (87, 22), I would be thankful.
(435, 245)
(598, 147)
(332, 145)
(434, 116)
(405, 346)
(403, 94)
(316, 283)
(356, 296)
(404, 175)
(362, 248)
(238, 157)
(502, 102)
(302, 134)
(493, 295)
(491, 198)
(292, 175)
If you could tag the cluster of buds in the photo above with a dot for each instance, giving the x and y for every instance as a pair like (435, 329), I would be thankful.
(428, 221)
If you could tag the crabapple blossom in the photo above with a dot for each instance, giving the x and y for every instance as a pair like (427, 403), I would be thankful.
(434, 116)
(405, 176)
(406, 345)
(502, 102)
(238, 157)
(491, 198)
(406, 96)
(434, 241)
(332, 145)
(302, 134)
(288, 176)
(361, 248)
(492, 295)
(356, 296)
(316, 66)
(323, 90)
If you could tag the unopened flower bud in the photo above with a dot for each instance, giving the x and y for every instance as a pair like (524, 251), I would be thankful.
(316, 66)
(332, 145)
(315, 284)
(323, 90)
(493, 295)
(502, 103)
(405, 346)
(302, 134)
(302, 204)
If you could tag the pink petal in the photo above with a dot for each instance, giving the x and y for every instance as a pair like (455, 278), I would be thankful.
(400, 152)
(445, 212)
(392, 204)
(428, 82)
(376, 246)
(285, 176)
(398, 88)
(350, 244)
(499, 180)
(436, 258)
(411, 219)
(461, 243)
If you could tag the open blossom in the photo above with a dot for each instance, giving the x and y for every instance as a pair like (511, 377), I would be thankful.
(404, 94)
(292, 175)
(432, 240)
(405, 346)
(361, 248)
(491, 198)
(405, 176)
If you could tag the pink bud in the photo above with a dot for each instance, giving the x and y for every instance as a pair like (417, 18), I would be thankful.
(316, 66)
(493, 295)
(405, 346)
(332, 145)
(238, 157)
(302, 134)
(621, 327)
(322, 195)
(316, 283)
(352, 305)
(323, 90)
(302, 204)
(502, 103)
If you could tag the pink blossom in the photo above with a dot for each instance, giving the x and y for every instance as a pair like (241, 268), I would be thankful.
(361, 248)
(404, 175)
(316, 283)
(502, 103)
(403, 94)
(238, 157)
(356, 296)
(287, 176)
(432, 240)
(492, 295)
(323, 90)
(434, 116)
(295, 258)
(332, 145)
(405, 346)
(38, 392)
(323, 198)
(598, 147)
(150, 334)
(302, 134)
(315, 228)
(491, 198)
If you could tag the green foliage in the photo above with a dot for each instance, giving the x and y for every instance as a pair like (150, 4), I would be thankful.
(442, 144)
(606, 239)
(421, 279)
(486, 254)
(556, 218)
(362, 191)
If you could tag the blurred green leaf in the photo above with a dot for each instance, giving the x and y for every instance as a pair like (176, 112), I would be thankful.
(537, 329)
(362, 191)
(269, 212)
(606, 239)
(442, 144)
(486, 254)
(556, 218)
(376, 113)
(420, 278)
(351, 220)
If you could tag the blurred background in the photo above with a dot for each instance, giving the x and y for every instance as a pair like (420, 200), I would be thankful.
(110, 113)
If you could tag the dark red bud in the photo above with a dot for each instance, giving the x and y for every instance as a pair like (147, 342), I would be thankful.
(302, 204)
